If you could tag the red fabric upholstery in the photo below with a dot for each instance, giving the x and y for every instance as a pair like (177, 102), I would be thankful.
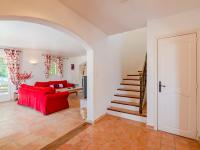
(42, 84)
(47, 84)
(70, 85)
(46, 90)
(43, 99)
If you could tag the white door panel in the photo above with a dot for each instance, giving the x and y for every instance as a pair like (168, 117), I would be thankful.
(177, 71)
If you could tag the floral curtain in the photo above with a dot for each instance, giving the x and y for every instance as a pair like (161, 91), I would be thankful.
(47, 63)
(48, 59)
(59, 64)
(13, 62)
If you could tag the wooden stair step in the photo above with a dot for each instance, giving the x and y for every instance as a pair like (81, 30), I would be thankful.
(127, 95)
(139, 71)
(133, 75)
(125, 103)
(132, 84)
(122, 110)
(127, 89)
(131, 79)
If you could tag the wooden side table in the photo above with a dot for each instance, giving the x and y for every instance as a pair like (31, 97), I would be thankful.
(74, 90)
(70, 90)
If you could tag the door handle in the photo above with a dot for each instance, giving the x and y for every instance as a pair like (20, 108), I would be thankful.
(160, 86)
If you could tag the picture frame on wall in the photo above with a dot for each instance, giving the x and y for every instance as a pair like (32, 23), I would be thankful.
(72, 66)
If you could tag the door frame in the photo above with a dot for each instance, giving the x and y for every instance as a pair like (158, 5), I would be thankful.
(197, 78)
(6, 96)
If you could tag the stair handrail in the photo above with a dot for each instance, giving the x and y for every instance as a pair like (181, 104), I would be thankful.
(143, 81)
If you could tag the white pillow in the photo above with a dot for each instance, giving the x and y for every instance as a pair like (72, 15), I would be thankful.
(51, 85)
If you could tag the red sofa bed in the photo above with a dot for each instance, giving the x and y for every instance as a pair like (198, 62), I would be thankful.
(43, 99)
(64, 84)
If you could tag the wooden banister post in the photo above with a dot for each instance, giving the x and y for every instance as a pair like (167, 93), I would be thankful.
(141, 97)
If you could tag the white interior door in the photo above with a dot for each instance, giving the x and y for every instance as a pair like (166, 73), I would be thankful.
(177, 77)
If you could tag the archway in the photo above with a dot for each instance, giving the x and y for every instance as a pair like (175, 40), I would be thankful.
(85, 45)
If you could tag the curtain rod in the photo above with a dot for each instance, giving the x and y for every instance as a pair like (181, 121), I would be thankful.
(56, 56)
(20, 49)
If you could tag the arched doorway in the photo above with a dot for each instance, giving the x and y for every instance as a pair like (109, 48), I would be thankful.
(89, 53)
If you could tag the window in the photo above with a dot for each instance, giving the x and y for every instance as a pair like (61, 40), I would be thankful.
(3, 75)
(53, 69)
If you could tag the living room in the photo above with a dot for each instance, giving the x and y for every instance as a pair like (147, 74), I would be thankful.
(48, 84)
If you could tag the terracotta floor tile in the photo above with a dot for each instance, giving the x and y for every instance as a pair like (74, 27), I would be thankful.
(154, 144)
(194, 145)
(167, 147)
(179, 139)
(182, 146)
(24, 128)
(167, 136)
(168, 142)
(10, 146)
(113, 133)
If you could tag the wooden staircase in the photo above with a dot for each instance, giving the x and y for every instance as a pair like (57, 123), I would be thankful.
(129, 101)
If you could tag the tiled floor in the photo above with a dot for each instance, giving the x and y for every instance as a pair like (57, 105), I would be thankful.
(24, 128)
(113, 133)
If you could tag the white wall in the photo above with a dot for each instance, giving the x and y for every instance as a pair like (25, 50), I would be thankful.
(132, 46)
(38, 70)
(182, 23)
(73, 76)
(107, 76)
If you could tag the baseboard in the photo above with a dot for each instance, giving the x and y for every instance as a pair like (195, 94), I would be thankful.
(127, 116)
(96, 120)
(89, 121)
(150, 127)
(99, 118)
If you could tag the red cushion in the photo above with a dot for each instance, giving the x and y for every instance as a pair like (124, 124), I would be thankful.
(47, 84)
(25, 86)
(45, 90)
(42, 84)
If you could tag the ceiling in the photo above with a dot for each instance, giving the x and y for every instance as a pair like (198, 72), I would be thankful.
(115, 16)
(26, 35)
